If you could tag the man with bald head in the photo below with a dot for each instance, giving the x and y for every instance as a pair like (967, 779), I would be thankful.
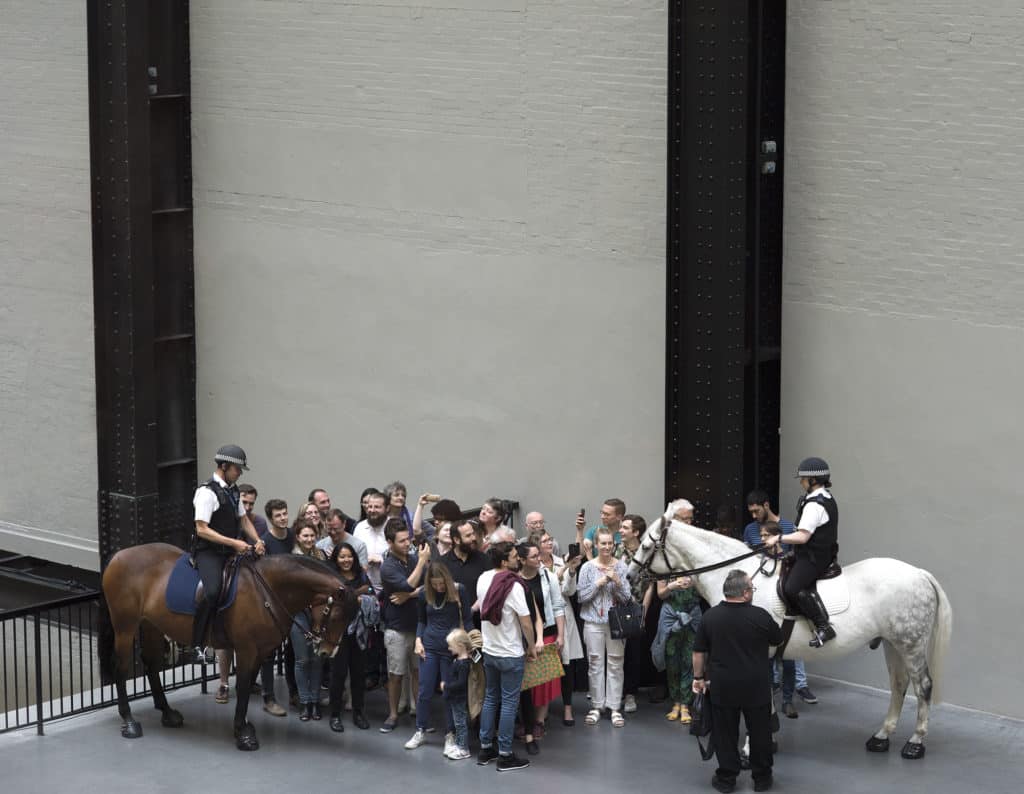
(535, 527)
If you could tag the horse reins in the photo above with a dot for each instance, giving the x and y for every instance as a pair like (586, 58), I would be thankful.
(314, 636)
(660, 544)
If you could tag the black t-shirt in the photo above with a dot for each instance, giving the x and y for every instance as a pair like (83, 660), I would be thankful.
(736, 636)
(276, 546)
(466, 573)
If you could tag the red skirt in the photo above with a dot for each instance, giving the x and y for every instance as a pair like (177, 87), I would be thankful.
(545, 693)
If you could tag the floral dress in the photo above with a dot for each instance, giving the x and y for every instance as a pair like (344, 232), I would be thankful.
(679, 649)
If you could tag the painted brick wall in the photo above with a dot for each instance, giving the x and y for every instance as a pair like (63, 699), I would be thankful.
(441, 226)
(47, 377)
(904, 290)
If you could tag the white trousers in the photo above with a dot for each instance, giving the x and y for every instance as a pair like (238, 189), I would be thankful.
(605, 658)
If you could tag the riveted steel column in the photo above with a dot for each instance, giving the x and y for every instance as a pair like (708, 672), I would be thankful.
(711, 452)
(129, 140)
(122, 273)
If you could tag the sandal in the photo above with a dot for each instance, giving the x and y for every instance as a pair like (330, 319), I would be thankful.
(674, 714)
(684, 716)
(617, 719)
(223, 694)
(593, 717)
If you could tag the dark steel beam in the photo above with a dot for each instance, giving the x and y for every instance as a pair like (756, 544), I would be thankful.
(718, 217)
(130, 168)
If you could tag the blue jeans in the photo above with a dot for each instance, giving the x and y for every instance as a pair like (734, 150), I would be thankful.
(308, 667)
(460, 715)
(433, 670)
(503, 677)
(793, 677)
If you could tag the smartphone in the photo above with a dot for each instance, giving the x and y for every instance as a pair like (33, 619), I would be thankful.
(574, 550)
(583, 512)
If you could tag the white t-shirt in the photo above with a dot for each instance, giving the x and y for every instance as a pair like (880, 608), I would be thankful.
(205, 501)
(814, 515)
(376, 546)
(505, 639)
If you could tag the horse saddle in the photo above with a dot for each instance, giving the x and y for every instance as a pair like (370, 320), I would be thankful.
(185, 588)
(831, 586)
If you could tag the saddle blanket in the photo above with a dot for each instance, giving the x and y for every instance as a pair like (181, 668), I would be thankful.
(835, 594)
(182, 586)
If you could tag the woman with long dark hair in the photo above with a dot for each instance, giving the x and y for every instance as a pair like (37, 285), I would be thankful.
(350, 658)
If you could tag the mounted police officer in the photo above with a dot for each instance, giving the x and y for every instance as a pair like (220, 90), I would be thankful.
(221, 526)
(815, 545)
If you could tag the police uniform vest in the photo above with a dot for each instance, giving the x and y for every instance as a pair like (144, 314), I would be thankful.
(224, 519)
(823, 546)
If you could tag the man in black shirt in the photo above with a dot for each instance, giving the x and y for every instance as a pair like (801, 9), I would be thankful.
(465, 563)
(279, 539)
(737, 636)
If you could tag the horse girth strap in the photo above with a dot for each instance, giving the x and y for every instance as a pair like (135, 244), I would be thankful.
(787, 632)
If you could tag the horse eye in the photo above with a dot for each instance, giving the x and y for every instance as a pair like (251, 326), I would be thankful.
(330, 600)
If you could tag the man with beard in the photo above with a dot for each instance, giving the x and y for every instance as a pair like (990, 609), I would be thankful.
(465, 562)
(371, 533)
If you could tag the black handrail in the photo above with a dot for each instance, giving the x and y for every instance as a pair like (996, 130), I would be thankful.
(56, 603)
(63, 662)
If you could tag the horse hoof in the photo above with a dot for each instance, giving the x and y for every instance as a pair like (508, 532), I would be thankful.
(912, 751)
(172, 719)
(245, 738)
(876, 745)
(131, 729)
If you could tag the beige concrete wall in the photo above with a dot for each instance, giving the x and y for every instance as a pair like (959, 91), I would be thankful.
(47, 376)
(437, 233)
(903, 297)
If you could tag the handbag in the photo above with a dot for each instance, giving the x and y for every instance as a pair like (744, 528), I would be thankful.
(626, 621)
(546, 667)
(701, 725)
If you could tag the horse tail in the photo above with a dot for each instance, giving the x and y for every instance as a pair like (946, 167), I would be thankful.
(941, 635)
(105, 644)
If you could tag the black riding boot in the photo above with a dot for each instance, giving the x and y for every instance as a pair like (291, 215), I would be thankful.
(199, 624)
(813, 608)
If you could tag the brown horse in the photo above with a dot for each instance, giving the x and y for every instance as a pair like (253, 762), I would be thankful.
(271, 591)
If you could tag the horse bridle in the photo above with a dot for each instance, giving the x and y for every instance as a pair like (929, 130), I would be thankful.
(315, 635)
(660, 544)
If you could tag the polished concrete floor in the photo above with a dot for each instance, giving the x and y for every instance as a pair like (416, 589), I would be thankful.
(822, 749)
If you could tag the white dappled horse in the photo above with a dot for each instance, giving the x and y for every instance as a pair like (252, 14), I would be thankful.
(878, 598)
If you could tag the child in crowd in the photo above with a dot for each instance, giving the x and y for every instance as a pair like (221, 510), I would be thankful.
(456, 692)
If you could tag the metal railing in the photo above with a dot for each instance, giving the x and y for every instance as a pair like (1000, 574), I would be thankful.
(50, 670)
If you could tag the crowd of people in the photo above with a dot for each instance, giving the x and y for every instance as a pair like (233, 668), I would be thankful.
(498, 625)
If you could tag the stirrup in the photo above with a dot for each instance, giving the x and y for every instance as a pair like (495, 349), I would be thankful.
(821, 635)
(203, 655)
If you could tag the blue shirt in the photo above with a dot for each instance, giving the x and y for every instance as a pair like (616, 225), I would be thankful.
(394, 577)
(433, 624)
(752, 533)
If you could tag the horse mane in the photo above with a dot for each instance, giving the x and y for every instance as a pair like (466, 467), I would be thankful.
(286, 561)
(723, 544)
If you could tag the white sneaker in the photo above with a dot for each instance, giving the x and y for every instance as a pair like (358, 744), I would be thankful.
(417, 739)
(629, 706)
(456, 754)
(449, 743)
